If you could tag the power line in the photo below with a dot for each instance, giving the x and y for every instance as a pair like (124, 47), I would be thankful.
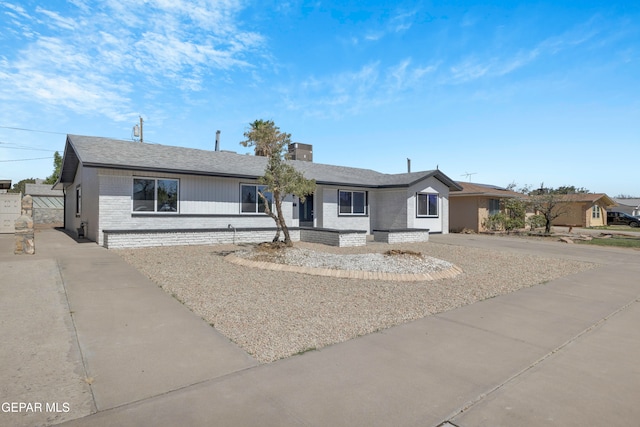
(25, 160)
(22, 148)
(32, 130)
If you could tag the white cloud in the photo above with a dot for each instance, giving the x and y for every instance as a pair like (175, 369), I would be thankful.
(56, 20)
(402, 21)
(398, 23)
(78, 59)
(352, 92)
(476, 67)
(469, 70)
(15, 8)
(403, 76)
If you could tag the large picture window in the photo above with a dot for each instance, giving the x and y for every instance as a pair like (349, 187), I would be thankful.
(250, 199)
(352, 202)
(155, 195)
(427, 205)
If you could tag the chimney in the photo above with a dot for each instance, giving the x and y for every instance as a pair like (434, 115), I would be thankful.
(408, 165)
(217, 140)
(298, 151)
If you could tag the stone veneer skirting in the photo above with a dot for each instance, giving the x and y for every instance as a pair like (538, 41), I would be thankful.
(405, 235)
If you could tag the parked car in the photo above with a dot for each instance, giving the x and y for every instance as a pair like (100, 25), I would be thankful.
(621, 218)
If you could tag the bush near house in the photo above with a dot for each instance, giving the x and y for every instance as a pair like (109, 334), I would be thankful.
(511, 217)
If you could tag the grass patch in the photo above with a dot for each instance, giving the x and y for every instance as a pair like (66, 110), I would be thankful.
(615, 241)
(617, 228)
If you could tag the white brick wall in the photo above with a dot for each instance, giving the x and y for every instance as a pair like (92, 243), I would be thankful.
(404, 236)
(115, 210)
(184, 238)
(333, 238)
(329, 211)
(390, 210)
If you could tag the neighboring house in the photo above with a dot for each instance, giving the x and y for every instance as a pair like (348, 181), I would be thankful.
(48, 204)
(628, 206)
(583, 209)
(469, 208)
(147, 194)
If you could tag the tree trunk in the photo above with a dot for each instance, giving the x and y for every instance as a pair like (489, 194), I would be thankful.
(281, 222)
(271, 214)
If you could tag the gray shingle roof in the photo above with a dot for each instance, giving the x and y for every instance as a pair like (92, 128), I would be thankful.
(111, 153)
(41, 190)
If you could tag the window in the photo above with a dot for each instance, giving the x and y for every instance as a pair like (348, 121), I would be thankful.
(250, 199)
(595, 212)
(427, 204)
(494, 206)
(78, 200)
(352, 202)
(155, 195)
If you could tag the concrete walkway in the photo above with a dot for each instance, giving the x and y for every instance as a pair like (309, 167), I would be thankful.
(122, 339)
(563, 353)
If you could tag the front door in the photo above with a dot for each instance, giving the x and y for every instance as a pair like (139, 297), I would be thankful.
(306, 212)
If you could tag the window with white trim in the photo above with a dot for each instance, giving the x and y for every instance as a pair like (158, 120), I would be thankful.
(595, 212)
(427, 205)
(155, 195)
(352, 202)
(250, 200)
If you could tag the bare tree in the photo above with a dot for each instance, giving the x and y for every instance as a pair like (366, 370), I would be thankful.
(552, 203)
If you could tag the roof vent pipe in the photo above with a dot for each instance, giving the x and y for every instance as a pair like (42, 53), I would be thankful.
(217, 140)
(408, 165)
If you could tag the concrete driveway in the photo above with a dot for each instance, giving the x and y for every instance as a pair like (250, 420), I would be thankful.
(563, 353)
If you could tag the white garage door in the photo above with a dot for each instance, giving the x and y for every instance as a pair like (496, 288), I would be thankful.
(10, 209)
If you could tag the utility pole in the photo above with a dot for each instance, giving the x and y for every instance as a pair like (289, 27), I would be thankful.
(141, 131)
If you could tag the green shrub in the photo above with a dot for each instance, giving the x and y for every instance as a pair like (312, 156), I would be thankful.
(536, 221)
(495, 222)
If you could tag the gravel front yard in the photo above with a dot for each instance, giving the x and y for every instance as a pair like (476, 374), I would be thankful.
(273, 315)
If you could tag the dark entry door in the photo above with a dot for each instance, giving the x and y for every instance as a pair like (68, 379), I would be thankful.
(306, 212)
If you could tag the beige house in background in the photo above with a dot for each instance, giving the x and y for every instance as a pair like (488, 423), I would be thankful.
(584, 210)
(469, 208)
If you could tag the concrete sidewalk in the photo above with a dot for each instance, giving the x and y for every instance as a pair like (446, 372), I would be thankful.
(127, 340)
(562, 353)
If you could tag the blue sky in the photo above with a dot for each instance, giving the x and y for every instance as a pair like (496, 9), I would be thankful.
(507, 91)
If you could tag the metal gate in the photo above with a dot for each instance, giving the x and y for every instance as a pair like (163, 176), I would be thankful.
(10, 209)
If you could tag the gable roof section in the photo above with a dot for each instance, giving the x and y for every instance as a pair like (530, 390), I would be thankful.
(472, 189)
(632, 203)
(600, 198)
(117, 154)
